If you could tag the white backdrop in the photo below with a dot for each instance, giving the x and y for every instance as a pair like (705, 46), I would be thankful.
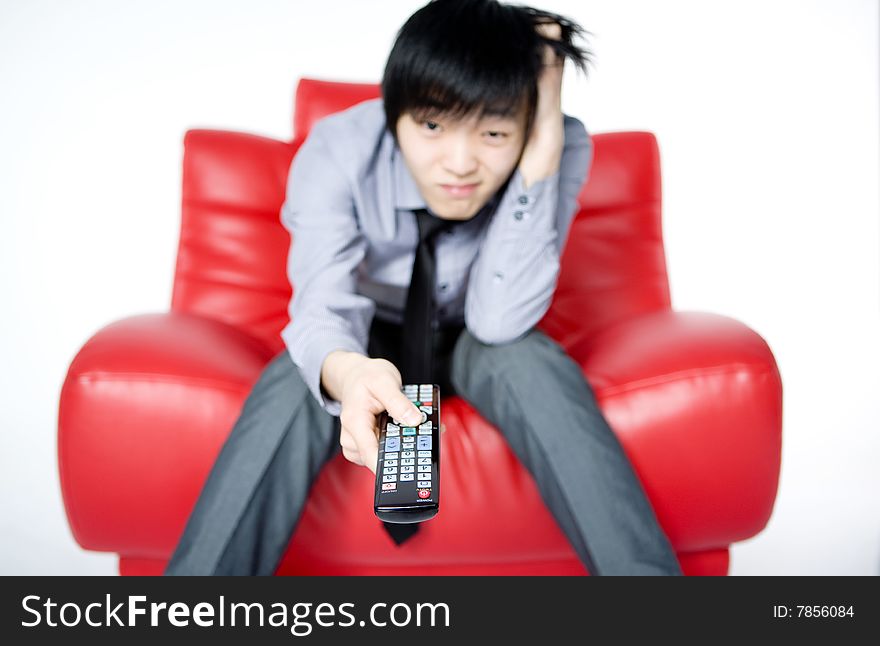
(767, 117)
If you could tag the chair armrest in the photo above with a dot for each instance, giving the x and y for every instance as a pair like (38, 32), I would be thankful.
(696, 400)
(144, 409)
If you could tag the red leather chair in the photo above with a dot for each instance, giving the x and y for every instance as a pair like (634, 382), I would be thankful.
(696, 398)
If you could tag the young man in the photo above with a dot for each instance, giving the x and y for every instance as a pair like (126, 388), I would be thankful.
(469, 136)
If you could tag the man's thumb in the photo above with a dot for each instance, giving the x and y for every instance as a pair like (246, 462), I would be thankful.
(405, 411)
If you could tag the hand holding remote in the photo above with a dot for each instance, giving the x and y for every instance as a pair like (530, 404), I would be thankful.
(373, 386)
(408, 487)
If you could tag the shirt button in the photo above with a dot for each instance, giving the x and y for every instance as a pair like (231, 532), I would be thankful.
(523, 199)
(518, 215)
(444, 286)
(498, 277)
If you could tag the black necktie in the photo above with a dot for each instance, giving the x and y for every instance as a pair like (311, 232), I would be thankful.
(418, 317)
(417, 357)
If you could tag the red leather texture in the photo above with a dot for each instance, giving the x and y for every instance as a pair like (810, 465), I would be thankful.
(695, 397)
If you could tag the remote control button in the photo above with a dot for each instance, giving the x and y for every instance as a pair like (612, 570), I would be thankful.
(408, 454)
(406, 476)
(407, 461)
(424, 461)
(424, 493)
(389, 478)
(389, 486)
(424, 442)
(424, 468)
(393, 444)
(427, 410)
(425, 431)
(407, 469)
(424, 454)
(392, 427)
(391, 456)
(392, 433)
(389, 470)
(390, 463)
(423, 483)
(409, 430)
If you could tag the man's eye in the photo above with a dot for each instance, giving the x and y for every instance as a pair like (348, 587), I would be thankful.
(498, 134)
(431, 123)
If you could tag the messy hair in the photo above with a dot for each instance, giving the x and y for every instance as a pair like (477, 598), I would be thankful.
(459, 58)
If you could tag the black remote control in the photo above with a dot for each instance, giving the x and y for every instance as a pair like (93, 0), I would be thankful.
(408, 468)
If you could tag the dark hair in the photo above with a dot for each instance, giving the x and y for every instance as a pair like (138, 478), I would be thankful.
(464, 57)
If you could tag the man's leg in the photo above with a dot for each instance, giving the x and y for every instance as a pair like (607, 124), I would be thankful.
(539, 399)
(254, 495)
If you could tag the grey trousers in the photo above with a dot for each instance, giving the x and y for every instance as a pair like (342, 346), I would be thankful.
(529, 389)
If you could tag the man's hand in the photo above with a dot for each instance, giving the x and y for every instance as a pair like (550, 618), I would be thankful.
(543, 151)
(371, 387)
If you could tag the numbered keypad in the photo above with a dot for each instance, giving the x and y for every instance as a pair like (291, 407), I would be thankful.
(406, 452)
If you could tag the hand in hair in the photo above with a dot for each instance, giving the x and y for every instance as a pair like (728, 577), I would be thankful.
(543, 151)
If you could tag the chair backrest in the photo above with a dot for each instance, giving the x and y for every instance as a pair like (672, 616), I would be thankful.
(232, 254)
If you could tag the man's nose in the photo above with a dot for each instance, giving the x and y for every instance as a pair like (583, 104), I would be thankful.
(460, 159)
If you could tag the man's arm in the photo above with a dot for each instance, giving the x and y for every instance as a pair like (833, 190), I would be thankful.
(513, 278)
(326, 313)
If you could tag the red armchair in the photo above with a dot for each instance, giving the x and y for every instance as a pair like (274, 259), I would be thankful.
(696, 398)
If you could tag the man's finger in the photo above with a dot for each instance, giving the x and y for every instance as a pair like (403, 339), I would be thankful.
(352, 456)
(361, 425)
(550, 30)
(396, 402)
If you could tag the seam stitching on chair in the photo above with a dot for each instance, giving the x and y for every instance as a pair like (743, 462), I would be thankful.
(105, 376)
(682, 375)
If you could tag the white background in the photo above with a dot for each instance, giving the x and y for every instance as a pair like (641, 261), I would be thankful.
(767, 116)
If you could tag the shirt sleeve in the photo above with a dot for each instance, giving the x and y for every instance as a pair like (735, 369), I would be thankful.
(516, 270)
(326, 249)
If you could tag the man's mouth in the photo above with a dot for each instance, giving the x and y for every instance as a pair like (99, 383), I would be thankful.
(459, 190)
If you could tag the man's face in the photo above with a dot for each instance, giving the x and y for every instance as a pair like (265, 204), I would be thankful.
(475, 156)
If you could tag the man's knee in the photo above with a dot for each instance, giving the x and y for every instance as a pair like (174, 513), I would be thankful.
(281, 395)
(474, 361)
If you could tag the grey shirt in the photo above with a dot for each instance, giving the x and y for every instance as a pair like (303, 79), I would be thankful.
(349, 209)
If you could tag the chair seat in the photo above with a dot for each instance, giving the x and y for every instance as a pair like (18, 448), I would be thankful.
(150, 400)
